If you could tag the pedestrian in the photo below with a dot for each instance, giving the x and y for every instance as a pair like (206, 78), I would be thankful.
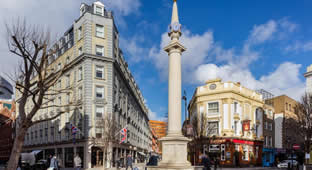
(206, 162)
(129, 162)
(54, 163)
(216, 163)
(77, 162)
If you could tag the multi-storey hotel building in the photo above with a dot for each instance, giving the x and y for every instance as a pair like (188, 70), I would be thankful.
(104, 85)
(234, 118)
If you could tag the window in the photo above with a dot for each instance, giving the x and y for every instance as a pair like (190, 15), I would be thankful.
(289, 107)
(98, 10)
(59, 84)
(67, 60)
(99, 50)
(99, 92)
(98, 135)
(265, 125)
(79, 51)
(67, 80)
(80, 93)
(213, 107)
(245, 153)
(235, 107)
(80, 73)
(99, 111)
(52, 133)
(213, 128)
(270, 141)
(270, 126)
(99, 72)
(60, 100)
(67, 98)
(286, 106)
(79, 33)
(99, 32)
(265, 141)
(46, 132)
(31, 135)
(36, 134)
(59, 66)
(41, 133)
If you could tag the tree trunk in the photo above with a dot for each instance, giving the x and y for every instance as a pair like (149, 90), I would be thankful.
(17, 148)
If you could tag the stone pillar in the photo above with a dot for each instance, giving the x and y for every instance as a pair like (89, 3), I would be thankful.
(87, 156)
(174, 145)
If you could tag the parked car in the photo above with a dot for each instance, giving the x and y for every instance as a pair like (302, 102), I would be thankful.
(284, 164)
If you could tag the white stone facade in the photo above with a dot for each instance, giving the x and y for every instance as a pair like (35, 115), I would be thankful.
(92, 73)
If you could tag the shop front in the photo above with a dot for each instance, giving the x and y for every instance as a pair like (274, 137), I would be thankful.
(232, 152)
(268, 157)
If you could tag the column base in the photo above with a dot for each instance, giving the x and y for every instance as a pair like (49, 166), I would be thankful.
(174, 153)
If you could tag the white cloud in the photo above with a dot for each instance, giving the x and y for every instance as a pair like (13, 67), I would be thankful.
(284, 80)
(198, 47)
(58, 15)
(262, 33)
(124, 7)
(300, 47)
(206, 59)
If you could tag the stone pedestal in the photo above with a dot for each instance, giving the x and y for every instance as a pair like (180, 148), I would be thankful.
(174, 152)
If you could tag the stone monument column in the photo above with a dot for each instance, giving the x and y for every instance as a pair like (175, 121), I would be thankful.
(174, 145)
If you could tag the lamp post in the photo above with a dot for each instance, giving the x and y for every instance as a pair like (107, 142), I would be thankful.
(185, 102)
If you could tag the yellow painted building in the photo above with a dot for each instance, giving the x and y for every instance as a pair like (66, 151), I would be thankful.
(233, 116)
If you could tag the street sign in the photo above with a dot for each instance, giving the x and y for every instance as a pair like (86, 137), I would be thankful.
(296, 146)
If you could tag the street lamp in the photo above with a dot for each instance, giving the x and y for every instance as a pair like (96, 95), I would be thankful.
(185, 100)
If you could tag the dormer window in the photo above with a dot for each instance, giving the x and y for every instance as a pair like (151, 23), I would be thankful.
(99, 10)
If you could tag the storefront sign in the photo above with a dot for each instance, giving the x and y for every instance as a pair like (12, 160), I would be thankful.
(214, 148)
(243, 142)
(218, 141)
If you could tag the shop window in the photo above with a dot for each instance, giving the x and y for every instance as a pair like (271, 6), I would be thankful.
(245, 153)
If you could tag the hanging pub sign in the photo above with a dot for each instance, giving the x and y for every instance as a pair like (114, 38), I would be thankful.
(246, 125)
(189, 130)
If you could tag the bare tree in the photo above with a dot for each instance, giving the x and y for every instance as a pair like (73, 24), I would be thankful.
(202, 134)
(303, 110)
(35, 80)
(109, 136)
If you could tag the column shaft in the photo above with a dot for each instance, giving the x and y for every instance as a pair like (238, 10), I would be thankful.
(174, 96)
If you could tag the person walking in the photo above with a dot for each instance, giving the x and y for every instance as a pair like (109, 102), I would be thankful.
(206, 162)
(77, 162)
(54, 163)
(129, 162)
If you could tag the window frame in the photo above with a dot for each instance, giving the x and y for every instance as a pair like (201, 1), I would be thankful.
(101, 53)
(99, 68)
(96, 92)
(79, 33)
(101, 13)
(101, 32)
(97, 113)
(80, 73)
(218, 108)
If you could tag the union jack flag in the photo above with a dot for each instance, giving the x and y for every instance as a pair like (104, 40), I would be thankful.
(74, 130)
(123, 133)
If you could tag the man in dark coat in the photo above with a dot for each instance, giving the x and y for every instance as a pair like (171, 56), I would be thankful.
(206, 162)
(129, 162)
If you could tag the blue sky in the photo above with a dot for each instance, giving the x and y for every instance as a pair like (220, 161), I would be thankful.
(262, 44)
